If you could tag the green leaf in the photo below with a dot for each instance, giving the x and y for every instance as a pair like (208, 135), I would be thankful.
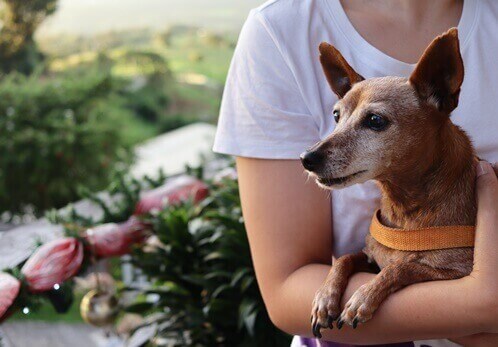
(239, 274)
(140, 307)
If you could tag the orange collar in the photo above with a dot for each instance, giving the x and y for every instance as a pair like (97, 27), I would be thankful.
(423, 239)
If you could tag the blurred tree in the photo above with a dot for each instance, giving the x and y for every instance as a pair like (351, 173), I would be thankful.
(19, 20)
(214, 40)
(195, 57)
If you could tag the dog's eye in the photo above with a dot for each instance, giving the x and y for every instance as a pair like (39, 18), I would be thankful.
(337, 115)
(376, 122)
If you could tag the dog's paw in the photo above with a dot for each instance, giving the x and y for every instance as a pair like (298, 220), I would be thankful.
(359, 309)
(326, 309)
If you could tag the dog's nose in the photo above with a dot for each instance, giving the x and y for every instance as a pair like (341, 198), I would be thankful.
(311, 160)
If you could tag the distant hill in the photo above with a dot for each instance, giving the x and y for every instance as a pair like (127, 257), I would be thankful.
(89, 17)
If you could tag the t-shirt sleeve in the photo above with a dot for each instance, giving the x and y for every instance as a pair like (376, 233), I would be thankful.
(263, 113)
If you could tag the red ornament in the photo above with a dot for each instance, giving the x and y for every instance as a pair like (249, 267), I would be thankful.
(9, 289)
(53, 263)
(174, 191)
(111, 240)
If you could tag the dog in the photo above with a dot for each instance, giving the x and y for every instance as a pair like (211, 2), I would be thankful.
(396, 131)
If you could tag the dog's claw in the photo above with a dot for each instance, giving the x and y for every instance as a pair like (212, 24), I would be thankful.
(330, 320)
(340, 322)
(316, 330)
(355, 323)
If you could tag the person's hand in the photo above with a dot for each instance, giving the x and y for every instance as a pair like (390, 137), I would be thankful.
(483, 280)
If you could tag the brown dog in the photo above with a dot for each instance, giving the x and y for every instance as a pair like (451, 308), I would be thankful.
(398, 132)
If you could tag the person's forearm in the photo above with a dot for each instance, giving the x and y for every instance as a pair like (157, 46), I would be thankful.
(428, 310)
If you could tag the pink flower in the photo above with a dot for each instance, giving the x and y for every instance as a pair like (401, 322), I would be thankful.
(9, 289)
(110, 240)
(53, 263)
(174, 191)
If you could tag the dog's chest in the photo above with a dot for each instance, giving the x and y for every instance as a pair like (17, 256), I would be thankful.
(383, 255)
(459, 259)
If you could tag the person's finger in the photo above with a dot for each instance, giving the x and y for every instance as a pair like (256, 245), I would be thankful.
(486, 242)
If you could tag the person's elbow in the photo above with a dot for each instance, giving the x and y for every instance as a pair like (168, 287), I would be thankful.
(280, 321)
(280, 314)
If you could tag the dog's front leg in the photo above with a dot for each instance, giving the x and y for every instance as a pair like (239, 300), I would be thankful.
(365, 301)
(327, 302)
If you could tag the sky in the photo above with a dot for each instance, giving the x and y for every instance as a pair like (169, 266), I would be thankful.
(88, 17)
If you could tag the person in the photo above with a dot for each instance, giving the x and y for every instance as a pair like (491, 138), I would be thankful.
(277, 103)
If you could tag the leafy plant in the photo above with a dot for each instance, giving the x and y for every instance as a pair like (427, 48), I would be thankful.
(55, 134)
(203, 278)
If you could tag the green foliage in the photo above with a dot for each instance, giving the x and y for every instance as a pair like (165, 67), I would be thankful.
(172, 122)
(150, 101)
(42, 310)
(203, 276)
(19, 21)
(55, 134)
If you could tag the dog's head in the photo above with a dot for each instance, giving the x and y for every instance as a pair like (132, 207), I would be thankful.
(386, 124)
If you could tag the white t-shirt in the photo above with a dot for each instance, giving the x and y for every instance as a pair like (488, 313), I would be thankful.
(277, 101)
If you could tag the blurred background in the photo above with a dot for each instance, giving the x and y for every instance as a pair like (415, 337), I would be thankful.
(102, 102)
(113, 73)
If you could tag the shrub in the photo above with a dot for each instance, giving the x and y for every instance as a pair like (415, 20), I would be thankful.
(55, 135)
(203, 276)
(149, 102)
(174, 121)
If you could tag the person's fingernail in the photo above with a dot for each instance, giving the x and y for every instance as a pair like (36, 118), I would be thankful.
(484, 168)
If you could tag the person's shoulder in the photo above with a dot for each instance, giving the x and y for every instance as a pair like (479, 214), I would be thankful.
(276, 6)
(290, 12)
(289, 26)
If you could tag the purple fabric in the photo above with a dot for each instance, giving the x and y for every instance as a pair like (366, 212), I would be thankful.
(307, 342)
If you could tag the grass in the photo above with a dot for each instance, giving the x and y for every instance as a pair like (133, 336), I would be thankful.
(187, 53)
(195, 54)
(199, 101)
(47, 313)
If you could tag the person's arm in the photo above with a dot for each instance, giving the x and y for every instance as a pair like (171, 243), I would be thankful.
(288, 221)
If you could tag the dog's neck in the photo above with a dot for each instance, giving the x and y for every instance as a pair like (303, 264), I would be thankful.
(436, 187)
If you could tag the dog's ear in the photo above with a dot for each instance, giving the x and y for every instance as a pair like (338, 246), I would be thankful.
(339, 73)
(438, 75)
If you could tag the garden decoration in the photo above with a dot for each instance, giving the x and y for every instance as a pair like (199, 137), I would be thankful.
(113, 240)
(57, 261)
(9, 287)
(99, 308)
(174, 191)
(53, 263)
